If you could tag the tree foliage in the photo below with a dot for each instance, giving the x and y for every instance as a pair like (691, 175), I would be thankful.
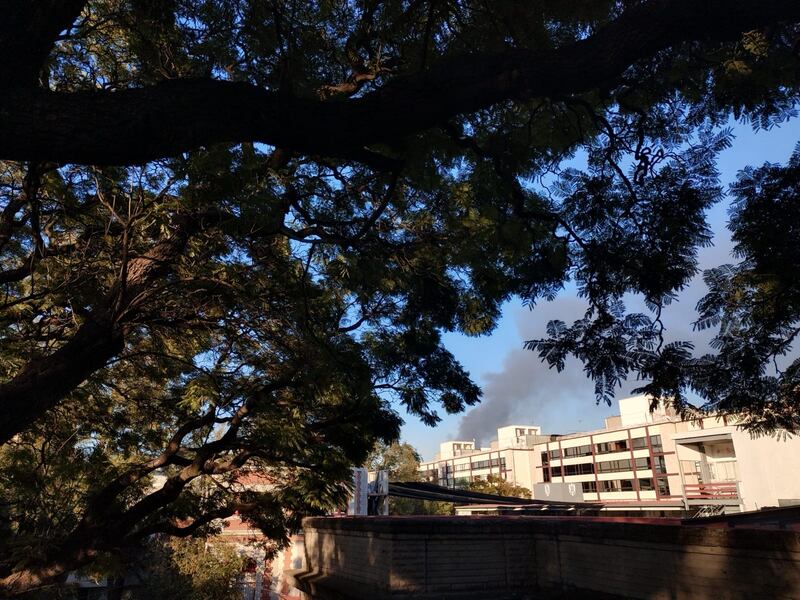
(496, 485)
(233, 233)
(190, 569)
(399, 459)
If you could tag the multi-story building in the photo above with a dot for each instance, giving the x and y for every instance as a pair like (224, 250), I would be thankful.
(511, 457)
(631, 460)
(640, 460)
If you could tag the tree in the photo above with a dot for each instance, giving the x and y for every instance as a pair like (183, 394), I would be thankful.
(402, 461)
(238, 353)
(190, 569)
(754, 305)
(259, 52)
(494, 484)
(399, 459)
(232, 234)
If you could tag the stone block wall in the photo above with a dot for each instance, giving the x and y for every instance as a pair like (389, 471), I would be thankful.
(535, 557)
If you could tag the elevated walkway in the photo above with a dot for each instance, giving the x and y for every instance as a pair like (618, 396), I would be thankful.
(438, 493)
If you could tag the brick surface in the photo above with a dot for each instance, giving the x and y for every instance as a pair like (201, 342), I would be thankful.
(519, 557)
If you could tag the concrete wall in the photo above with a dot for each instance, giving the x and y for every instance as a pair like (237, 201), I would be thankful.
(636, 410)
(507, 436)
(527, 557)
(520, 464)
(769, 469)
(447, 449)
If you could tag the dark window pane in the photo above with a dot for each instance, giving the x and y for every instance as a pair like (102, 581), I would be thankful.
(581, 469)
(607, 447)
(578, 451)
(609, 486)
(613, 466)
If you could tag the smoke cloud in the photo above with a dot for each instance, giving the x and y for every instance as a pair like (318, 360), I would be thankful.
(526, 391)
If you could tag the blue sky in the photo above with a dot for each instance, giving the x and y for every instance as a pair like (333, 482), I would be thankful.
(518, 388)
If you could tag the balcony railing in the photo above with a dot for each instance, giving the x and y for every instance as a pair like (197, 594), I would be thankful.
(711, 491)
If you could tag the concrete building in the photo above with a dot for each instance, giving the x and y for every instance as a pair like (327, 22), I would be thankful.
(640, 460)
(511, 457)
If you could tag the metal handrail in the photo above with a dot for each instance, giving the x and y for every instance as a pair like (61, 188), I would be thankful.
(712, 490)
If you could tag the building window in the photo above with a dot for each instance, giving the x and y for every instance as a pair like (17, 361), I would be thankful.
(614, 466)
(555, 454)
(581, 469)
(646, 484)
(578, 451)
(545, 458)
(643, 464)
(488, 464)
(624, 485)
(546, 473)
(609, 486)
(608, 447)
(639, 443)
(589, 486)
(659, 466)
(663, 486)
(655, 443)
(556, 471)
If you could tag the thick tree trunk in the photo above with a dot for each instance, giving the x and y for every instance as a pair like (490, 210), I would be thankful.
(27, 34)
(137, 125)
(48, 572)
(44, 382)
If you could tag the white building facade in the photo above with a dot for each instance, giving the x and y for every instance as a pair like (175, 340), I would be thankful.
(511, 457)
(641, 460)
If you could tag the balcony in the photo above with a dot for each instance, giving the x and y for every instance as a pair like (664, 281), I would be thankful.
(709, 469)
(728, 490)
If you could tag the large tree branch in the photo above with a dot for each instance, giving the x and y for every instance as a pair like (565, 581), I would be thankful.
(177, 529)
(44, 382)
(28, 31)
(137, 125)
(104, 499)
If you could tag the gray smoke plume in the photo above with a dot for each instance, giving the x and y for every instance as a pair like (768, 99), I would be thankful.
(525, 389)
(527, 392)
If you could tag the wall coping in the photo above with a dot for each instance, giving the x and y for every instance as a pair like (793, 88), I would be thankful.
(660, 531)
